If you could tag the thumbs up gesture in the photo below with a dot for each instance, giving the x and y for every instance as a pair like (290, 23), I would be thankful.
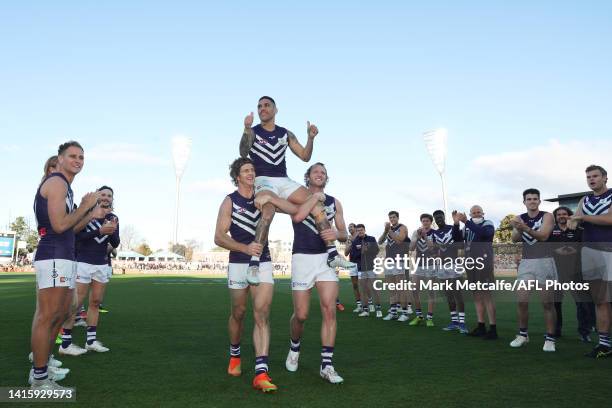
(312, 130)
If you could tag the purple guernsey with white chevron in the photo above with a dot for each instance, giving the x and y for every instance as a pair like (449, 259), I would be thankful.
(91, 246)
(245, 217)
(306, 239)
(268, 151)
(53, 245)
(597, 236)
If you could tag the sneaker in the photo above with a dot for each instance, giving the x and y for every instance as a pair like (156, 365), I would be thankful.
(365, 313)
(416, 321)
(72, 350)
(390, 316)
(263, 382)
(58, 371)
(252, 275)
(451, 326)
(340, 262)
(53, 376)
(58, 339)
(491, 335)
(585, 338)
(102, 309)
(403, 318)
(329, 374)
(410, 309)
(97, 346)
(357, 309)
(599, 352)
(234, 369)
(291, 364)
(549, 346)
(519, 341)
(80, 323)
(371, 308)
(430, 323)
(379, 314)
(46, 384)
(478, 332)
(463, 328)
(340, 307)
(51, 363)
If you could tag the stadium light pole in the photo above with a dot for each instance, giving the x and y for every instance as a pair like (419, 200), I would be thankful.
(181, 149)
(436, 143)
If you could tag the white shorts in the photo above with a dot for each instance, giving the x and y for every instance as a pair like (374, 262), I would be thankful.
(353, 271)
(236, 274)
(306, 269)
(54, 273)
(540, 269)
(86, 272)
(366, 275)
(424, 272)
(393, 271)
(596, 264)
(446, 272)
(281, 186)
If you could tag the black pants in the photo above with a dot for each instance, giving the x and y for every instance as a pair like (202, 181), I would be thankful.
(585, 313)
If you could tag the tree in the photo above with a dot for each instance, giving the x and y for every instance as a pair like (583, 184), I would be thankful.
(503, 234)
(144, 249)
(185, 249)
(129, 237)
(179, 249)
(23, 232)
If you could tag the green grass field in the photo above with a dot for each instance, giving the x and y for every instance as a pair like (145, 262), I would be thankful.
(169, 348)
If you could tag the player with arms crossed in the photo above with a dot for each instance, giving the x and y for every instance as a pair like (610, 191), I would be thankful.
(594, 211)
(266, 144)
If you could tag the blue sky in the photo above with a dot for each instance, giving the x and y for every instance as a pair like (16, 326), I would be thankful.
(523, 89)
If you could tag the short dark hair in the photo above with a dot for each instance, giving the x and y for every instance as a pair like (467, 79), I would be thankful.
(236, 166)
(106, 188)
(307, 174)
(531, 191)
(64, 146)
(428, 216)
(393, 212)
(269, 98)
(594, 167)
(359, 226)
(562, 208)
(438, 212)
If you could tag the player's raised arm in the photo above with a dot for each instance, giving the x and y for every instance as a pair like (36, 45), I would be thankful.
(248, 136)
(303, 152)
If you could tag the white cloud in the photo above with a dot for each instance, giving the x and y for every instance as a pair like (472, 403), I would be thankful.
(554, 168)
(127, 153)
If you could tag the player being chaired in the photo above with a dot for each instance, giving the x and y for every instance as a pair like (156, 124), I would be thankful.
(239, 216)
(266, 144)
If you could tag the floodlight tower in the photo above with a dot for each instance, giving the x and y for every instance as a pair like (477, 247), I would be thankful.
(436, 143)
(181, 149)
